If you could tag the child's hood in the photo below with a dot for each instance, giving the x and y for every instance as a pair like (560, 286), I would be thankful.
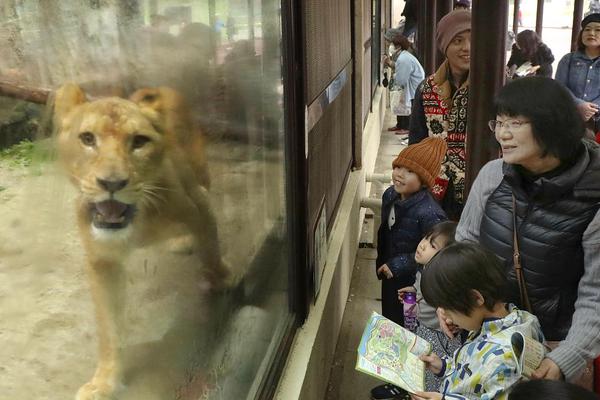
(499, 330)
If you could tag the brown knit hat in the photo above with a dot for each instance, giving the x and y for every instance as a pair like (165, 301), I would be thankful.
(450, 25)
(424, 158)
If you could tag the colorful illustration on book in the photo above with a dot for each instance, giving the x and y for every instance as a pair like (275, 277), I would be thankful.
(391, 353)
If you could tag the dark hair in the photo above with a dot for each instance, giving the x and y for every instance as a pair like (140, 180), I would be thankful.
(446, 229)
(549, 390)
(448, 280)
(403, 42)
(528, 42)
(556, 124)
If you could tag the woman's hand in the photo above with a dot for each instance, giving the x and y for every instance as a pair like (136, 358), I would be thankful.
(587, 110)
(446, 324)
(432, 362)
(548, 370)
(407, 289)
(426, 396)
(385, 271)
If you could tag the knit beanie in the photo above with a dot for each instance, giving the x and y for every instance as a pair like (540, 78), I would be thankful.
(590, 18)
(424, 158)
(450, 25)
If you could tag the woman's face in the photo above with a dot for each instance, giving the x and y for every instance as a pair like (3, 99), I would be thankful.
(519, 146)
(590, 36)
(458, 53)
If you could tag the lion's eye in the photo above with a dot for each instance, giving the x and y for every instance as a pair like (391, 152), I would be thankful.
(88, 139)
(139, 141)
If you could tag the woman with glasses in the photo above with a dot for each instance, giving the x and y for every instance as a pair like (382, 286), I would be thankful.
(580, 71)
(542, 199)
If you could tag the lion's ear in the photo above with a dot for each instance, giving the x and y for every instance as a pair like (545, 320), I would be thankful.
(66, 98)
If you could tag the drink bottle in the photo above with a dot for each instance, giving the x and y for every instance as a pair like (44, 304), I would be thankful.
(410, 310)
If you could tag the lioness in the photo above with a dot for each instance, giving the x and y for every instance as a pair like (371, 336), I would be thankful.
(134, 178)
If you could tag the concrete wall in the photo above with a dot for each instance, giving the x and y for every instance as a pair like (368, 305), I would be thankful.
(306, 373)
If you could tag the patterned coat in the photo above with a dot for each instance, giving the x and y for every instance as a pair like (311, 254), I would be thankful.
(486, 367)
(437, 111)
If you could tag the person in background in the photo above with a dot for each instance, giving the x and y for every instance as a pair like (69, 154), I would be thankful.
(462, 5)
(408, 211)
(549, 390)
(438, 237)
(410, 18)
(579, 71)
(407, 74)
(529, 48)
(545, 191)
(440, 108)
(467, 282)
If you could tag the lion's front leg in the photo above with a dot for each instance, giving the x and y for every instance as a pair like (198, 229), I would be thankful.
(107, 285)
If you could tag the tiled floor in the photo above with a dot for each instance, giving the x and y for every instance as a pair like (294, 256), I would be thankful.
(345, 383)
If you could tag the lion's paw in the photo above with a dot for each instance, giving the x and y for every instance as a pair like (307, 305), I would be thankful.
(95, 391)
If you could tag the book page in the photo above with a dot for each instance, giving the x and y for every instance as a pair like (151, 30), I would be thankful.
(529, 351)
(391, 353)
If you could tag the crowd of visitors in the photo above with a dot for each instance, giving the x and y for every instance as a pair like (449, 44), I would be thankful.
(528, 236)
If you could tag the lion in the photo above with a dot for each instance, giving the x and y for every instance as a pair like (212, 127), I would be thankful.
(130, 165)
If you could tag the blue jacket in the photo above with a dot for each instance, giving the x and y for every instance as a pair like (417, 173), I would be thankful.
(581, 75)
(414, 217)
(408, 75)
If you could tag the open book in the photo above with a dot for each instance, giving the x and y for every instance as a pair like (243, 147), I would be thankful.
(389, 352)
(525, 69)
(529, 352)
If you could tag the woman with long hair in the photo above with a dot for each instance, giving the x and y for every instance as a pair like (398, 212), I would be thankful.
(530, 49)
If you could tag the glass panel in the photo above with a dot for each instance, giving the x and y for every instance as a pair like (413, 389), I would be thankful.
(143, 249)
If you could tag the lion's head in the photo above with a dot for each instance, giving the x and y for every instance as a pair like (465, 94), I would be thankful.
(112, 150)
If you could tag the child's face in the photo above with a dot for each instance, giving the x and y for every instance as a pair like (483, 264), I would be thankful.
(405, 181)
(470, 322)
(429, 247)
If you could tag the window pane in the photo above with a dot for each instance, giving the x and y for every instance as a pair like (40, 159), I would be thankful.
(143, 248)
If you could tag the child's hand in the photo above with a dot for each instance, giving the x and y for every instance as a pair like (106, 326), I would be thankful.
(385, 271)
(446, 324)
(426, 396)
(432, 362)
(405, 290)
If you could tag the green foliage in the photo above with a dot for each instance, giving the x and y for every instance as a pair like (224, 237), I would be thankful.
(25, 153)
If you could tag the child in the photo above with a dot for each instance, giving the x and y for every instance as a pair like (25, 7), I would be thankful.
(468, 283)
(408, 211)
(438, 237)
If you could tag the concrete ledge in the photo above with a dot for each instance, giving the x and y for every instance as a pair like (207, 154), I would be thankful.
(307, 370)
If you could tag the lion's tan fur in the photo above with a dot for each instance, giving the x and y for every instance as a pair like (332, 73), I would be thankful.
(165, 186)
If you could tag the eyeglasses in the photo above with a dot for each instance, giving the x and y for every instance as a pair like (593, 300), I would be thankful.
(511, 124)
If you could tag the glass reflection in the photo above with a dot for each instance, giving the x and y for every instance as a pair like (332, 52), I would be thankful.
(143, 200)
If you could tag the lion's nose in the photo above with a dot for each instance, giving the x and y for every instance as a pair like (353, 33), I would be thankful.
(112, 185)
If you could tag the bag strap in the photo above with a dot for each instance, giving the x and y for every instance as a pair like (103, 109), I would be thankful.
(517, 261)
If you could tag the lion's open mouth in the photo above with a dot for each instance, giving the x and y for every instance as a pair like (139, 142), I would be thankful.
(111, 214)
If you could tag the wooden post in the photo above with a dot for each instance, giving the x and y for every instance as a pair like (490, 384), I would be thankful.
(517, 7)
(443, 7)
(488, 53)
(539, 18)
(577, 14)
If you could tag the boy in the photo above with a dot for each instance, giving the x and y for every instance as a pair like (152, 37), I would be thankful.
(468, 283)
(408, 211)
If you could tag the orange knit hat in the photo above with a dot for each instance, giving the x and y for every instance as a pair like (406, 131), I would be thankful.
(424, 158)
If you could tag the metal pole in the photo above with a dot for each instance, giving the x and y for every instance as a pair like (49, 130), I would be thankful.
(443, 7)
(539, 18)
(517, 7)
(577, 14)
(488, 53)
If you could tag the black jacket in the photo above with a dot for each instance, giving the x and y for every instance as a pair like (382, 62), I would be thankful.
(542, 57)
(553, 211)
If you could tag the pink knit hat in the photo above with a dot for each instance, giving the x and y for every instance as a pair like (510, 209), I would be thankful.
(450, 25)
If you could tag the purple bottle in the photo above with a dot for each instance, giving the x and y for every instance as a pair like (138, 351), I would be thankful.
(410, 310)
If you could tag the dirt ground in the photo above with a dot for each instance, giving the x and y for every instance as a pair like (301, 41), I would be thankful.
(182, 340)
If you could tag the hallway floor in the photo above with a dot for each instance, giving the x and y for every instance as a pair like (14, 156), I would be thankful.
(345, 383)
